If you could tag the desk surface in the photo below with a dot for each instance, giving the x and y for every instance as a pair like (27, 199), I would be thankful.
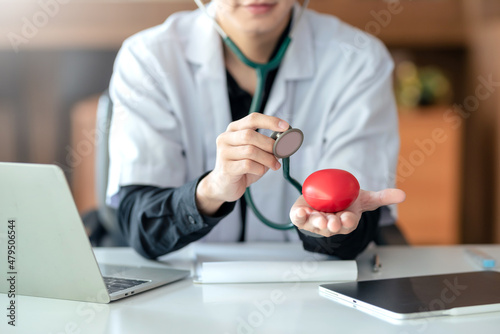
(184, 307)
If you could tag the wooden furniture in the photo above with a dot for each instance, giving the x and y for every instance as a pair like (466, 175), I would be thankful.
(429, 171)
(482, 212)
(82, 155)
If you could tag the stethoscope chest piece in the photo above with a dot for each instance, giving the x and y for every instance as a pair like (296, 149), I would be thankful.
(287, 143)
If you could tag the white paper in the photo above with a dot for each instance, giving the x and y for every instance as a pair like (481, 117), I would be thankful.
(256, 251)
(277, 271)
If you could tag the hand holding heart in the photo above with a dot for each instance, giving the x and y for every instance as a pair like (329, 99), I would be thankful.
(332, 202)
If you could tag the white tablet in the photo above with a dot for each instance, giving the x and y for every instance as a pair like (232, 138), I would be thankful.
(421, 296)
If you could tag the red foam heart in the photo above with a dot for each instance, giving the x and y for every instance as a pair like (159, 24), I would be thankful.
(330, 190)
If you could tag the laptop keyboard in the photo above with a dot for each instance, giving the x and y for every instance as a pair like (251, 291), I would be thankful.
(114, 284)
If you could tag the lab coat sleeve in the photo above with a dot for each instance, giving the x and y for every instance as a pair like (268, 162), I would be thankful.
(145, 143)
(362, 137)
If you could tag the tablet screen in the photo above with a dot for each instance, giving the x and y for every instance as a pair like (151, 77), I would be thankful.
(422, 293)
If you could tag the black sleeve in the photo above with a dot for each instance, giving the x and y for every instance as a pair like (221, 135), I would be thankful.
(156, 221)
(346, 246)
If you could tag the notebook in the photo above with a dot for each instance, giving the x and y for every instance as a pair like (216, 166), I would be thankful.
(45, 250)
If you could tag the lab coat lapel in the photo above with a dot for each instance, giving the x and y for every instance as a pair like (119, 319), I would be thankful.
(204, 51)
(298, 64)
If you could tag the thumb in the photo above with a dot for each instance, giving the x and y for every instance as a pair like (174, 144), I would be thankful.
(376, 199)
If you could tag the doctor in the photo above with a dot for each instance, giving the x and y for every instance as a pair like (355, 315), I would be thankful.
(183, 148)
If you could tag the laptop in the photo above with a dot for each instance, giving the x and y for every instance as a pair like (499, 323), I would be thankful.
(421, 296)
(44, 249)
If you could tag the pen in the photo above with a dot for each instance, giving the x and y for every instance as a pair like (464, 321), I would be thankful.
(376, 263)
(481, 258)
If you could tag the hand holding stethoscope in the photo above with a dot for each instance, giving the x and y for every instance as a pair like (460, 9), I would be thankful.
(243, 157)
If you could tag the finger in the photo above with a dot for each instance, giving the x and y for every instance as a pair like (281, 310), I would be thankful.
(334, 225)
(249, 152)
(299, 213)
(318, 221)
(299, 217)
(349, 221)
(245, 137)
(308, 210)
(372, 200)
(242, 167)
(259, 121)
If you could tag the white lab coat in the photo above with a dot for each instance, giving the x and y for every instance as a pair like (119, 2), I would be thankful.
(171, 102)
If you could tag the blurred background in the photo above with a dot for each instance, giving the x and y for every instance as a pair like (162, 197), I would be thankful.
(56, 59)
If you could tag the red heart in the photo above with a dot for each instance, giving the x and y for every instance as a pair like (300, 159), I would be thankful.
(330, 190)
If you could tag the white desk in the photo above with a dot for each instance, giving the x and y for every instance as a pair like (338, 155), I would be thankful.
(184, 307)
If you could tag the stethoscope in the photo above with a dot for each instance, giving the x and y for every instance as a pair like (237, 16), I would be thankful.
(286, 143)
